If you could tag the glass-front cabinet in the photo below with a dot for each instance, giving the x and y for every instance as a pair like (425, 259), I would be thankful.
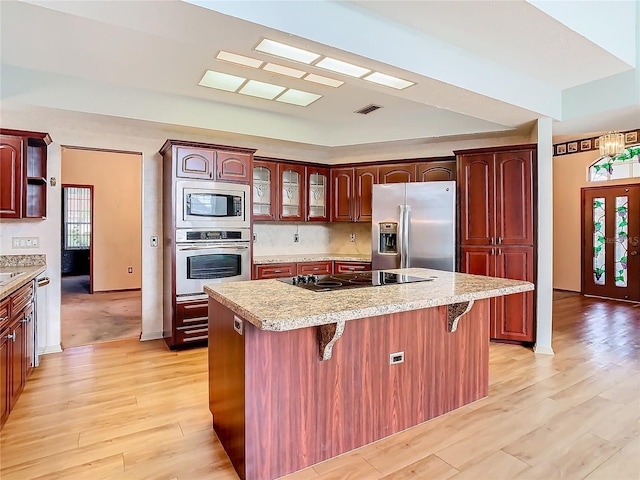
(292, 192)
(264, 190)
(318, 194)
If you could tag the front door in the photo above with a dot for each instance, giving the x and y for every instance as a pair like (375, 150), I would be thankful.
(611, 242)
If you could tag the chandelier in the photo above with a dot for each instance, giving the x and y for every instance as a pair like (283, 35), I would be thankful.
(611, 143)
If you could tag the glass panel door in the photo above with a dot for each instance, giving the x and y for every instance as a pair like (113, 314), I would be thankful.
(317, 196)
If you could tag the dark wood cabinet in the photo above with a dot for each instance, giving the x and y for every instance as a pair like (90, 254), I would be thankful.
(496, 198)
(233, 167)
(315, 268)
(191, 322)
(497, 230)
(16, 346)
(365, 179)
(23, 174)
(318, 187)
(203, 161)
(349, 267)
(291, 192)
(511, 315)
(342, 195)
(265, 176)
(436, 171)
(398, 173)
(275, 270)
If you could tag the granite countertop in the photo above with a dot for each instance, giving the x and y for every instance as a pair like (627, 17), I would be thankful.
(27, 274)
(316, 257)
(277, 306)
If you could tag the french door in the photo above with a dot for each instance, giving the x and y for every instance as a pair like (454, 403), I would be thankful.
(611, 242)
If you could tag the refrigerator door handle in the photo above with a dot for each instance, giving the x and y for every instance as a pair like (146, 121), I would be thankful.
(401, 228)
(405, 240)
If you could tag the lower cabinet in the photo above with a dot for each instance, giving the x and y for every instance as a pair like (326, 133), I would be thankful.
(16, 346)
(325, 267)
(191, 325)
(349, 267)
(512, 316)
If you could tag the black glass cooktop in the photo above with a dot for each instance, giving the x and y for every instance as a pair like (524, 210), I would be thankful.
(326, 283)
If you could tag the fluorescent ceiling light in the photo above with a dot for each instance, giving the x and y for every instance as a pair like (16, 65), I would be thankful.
(331, 82)
(388, 80)
(289, 72)
(221, 81)
(298, 97)
(240, 59)
(286, 51)
(339, 66)
(261, 89)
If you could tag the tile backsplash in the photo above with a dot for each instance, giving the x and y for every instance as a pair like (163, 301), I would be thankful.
(277, 238)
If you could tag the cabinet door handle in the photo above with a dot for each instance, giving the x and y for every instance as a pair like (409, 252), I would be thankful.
(493, 251)
(4, 318)
(499, 240)
(499, 251)
(12, 336)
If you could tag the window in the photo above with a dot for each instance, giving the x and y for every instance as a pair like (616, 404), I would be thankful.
(626, 165)
(77, 218)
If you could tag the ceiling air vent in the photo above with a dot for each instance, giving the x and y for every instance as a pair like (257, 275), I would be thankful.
(368, 109)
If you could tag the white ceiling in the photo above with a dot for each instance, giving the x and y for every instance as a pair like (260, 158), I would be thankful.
(480, 67)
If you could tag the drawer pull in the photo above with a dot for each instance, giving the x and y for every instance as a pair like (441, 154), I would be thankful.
(12, 336)
(199, 330)
(4, 318)
(277, 271)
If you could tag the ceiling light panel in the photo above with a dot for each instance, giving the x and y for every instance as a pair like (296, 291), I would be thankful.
(221, 81)
(339, 66)
(239, 59)
(331, 82)
(388, 80)
(286, 51)
(255, 88)
(298, 97)
(289, 72)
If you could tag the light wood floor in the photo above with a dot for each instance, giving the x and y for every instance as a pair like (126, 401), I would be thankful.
(131, 410)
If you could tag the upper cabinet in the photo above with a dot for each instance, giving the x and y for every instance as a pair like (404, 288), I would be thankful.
(202, 161)
(291, 192)
(496, 197)
(23, 174)
(342, 195)
(265, 176)
(398, 173)
(317, 194)
(364, 180)
(436, 171)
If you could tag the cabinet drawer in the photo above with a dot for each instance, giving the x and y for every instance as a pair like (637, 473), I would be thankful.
(275, 270)
(4, 314)
(191, 313)
(315, 268)
(21, 298)
(347, 267)
(192, 334)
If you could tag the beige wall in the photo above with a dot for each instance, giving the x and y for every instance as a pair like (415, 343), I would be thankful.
(569, 177)
(117, 213)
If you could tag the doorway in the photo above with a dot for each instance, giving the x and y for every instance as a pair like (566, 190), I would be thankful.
(611, 242)
(101, 233)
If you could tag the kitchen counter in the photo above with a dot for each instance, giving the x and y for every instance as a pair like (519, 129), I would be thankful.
(29, 266)
(277, 306)
(316, 257)
(297, 376)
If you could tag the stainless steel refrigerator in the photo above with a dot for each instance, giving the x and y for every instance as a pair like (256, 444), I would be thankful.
(414, 225)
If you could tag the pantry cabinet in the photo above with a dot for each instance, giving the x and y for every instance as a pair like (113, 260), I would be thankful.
(23, 174)
(497, 230)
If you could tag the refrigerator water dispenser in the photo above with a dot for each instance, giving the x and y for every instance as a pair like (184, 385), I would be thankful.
(388, 238)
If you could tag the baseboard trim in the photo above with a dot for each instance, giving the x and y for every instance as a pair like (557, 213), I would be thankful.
(543, 350)
(49, 349)
(151, 336)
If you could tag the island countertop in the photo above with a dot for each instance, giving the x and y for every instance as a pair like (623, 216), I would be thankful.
(277, 306)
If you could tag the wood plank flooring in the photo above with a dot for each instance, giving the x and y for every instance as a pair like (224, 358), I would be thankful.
(131, 410)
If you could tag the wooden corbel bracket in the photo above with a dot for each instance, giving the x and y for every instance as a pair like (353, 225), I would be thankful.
(329, 334)
(454, 312)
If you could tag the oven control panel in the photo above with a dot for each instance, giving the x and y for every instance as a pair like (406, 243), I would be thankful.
(199, 235)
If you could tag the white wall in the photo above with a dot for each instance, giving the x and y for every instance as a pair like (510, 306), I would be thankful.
(102, 132)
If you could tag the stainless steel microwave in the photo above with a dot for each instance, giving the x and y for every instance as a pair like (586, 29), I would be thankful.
(211, 204)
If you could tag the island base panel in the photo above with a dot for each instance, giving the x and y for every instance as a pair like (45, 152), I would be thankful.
(278, 408)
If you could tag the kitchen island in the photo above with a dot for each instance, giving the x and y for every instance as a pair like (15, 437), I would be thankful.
(297, 376)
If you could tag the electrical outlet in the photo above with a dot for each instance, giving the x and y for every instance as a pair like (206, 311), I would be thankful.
(352, 237)
(25, 242)
(296, 237)
(397, 357)
(130, 269)
(255, 238)
(154, 240)
(15, 242)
